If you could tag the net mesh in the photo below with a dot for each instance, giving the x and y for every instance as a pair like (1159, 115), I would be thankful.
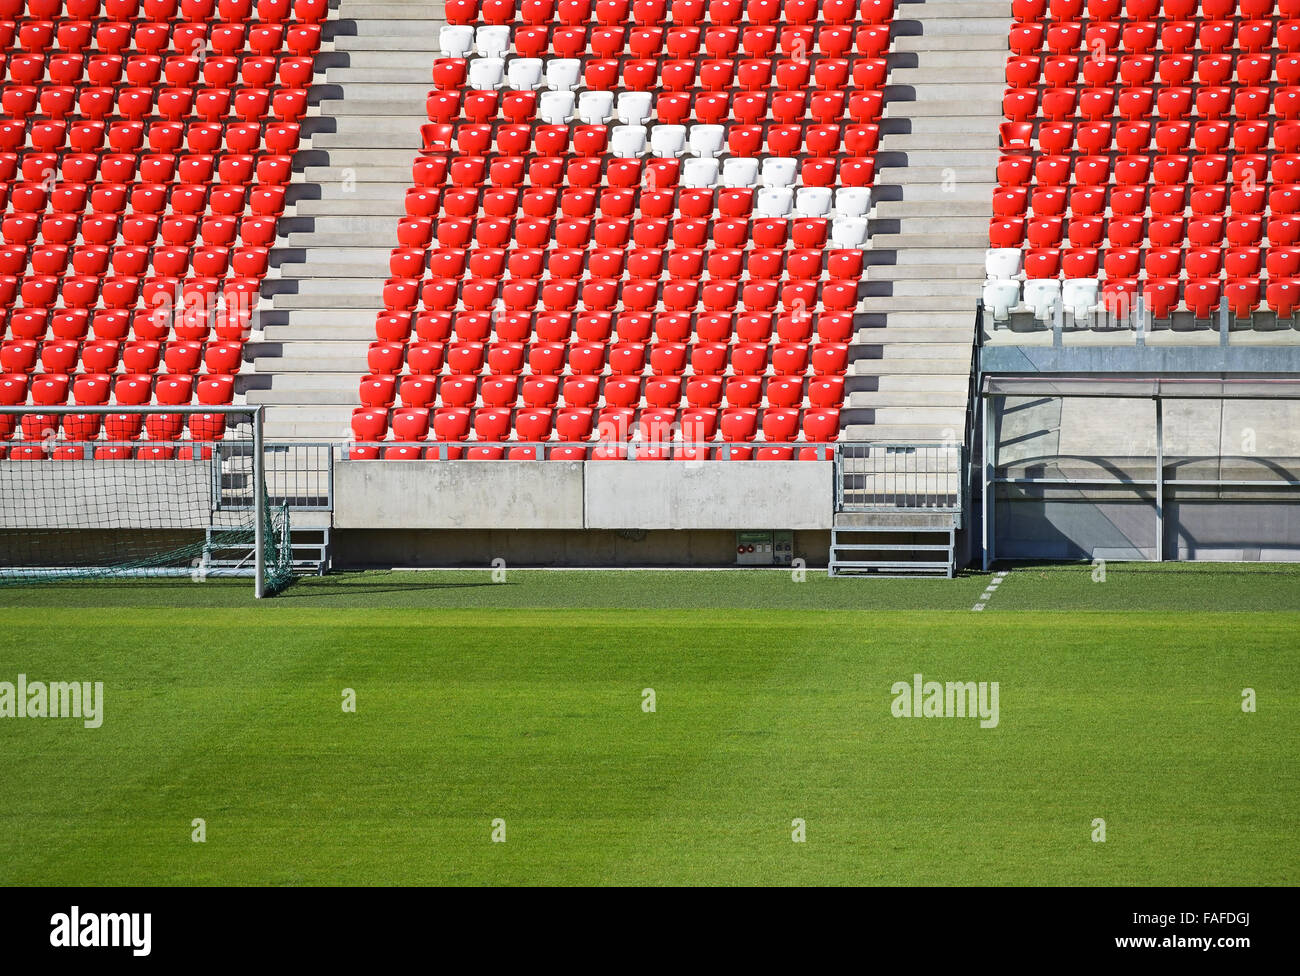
(76, 509)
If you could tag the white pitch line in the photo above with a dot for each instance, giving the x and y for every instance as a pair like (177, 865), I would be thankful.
(987, 595)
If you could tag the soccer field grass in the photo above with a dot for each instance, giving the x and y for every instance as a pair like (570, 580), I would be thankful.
(523, 701)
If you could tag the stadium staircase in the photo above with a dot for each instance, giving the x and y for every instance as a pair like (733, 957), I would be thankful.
(332, 254)
(911, 362)
(934, 183)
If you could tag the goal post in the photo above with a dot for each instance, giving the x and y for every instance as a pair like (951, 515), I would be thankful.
(122, 492)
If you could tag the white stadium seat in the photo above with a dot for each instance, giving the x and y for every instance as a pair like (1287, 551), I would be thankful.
(562, 74)
(1079, 295)
(525, 74)
(1042, 296)
(486, 74)
(1002, 262)
(493, 42)
(555, 107)
(1000, 297)
(455, 41)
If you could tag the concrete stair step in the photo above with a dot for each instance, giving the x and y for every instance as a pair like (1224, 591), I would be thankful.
(900, 242)
(933, 45)
(907, 398)
(332, 176)
(917, 279)
(304, 397)
(937, 301)
(953, 206)
(352, 206)
(912, 335)
(951, 75)
(909, 360)
(900, 433)
(357, 58)
(907, 319)
(371, 107)
(315, 299)
(919, 383)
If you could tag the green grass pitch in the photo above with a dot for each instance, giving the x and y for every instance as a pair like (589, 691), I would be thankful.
(522, 701)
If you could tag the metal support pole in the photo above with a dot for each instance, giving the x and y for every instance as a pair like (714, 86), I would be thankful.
(986, 493)
(259, 504)
(1160, 480)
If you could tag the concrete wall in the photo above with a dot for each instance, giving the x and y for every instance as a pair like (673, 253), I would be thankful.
(458, 494)
(107, 495)
(562, 495)
(709, 495)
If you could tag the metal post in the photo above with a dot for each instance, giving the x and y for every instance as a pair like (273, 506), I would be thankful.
(259, 504)
(986, 493)
(1160, 479)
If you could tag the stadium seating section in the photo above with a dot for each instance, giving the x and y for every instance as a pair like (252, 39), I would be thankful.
(145, 149)
(1149, 147)
(631, 220)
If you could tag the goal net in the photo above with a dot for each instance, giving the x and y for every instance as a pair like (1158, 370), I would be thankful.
(122, 492)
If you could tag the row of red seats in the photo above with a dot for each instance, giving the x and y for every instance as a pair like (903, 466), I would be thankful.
(1026, 11)
(623, 358)
(192, 199)
(1244, 231)
(243, 138)
(691, 42)
(685, 13)
(1169, 37)
(579, 232)
(177, 70)
(1161, 262)
(616, 391)
(603, 294)
(99, 389)
(108, 167)
(1132, 138)
(1136, 70)
(1136, 170)
(199, 11)
(696, 424)
(205, 427)
(37, 37)
(1125, 201)
(116, 324)
(96, 259)
(728, 264)
(1204, 296)
(673, 108)
(800, 326)
(138, 230)
(649, 74)
(231, 299)
(105, 356)
(1208, 103)
(605, 451)
(56, 103)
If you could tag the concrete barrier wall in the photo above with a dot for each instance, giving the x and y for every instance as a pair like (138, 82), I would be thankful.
(709, 495)
(107, 495)
(458, 494)
(559, 495)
